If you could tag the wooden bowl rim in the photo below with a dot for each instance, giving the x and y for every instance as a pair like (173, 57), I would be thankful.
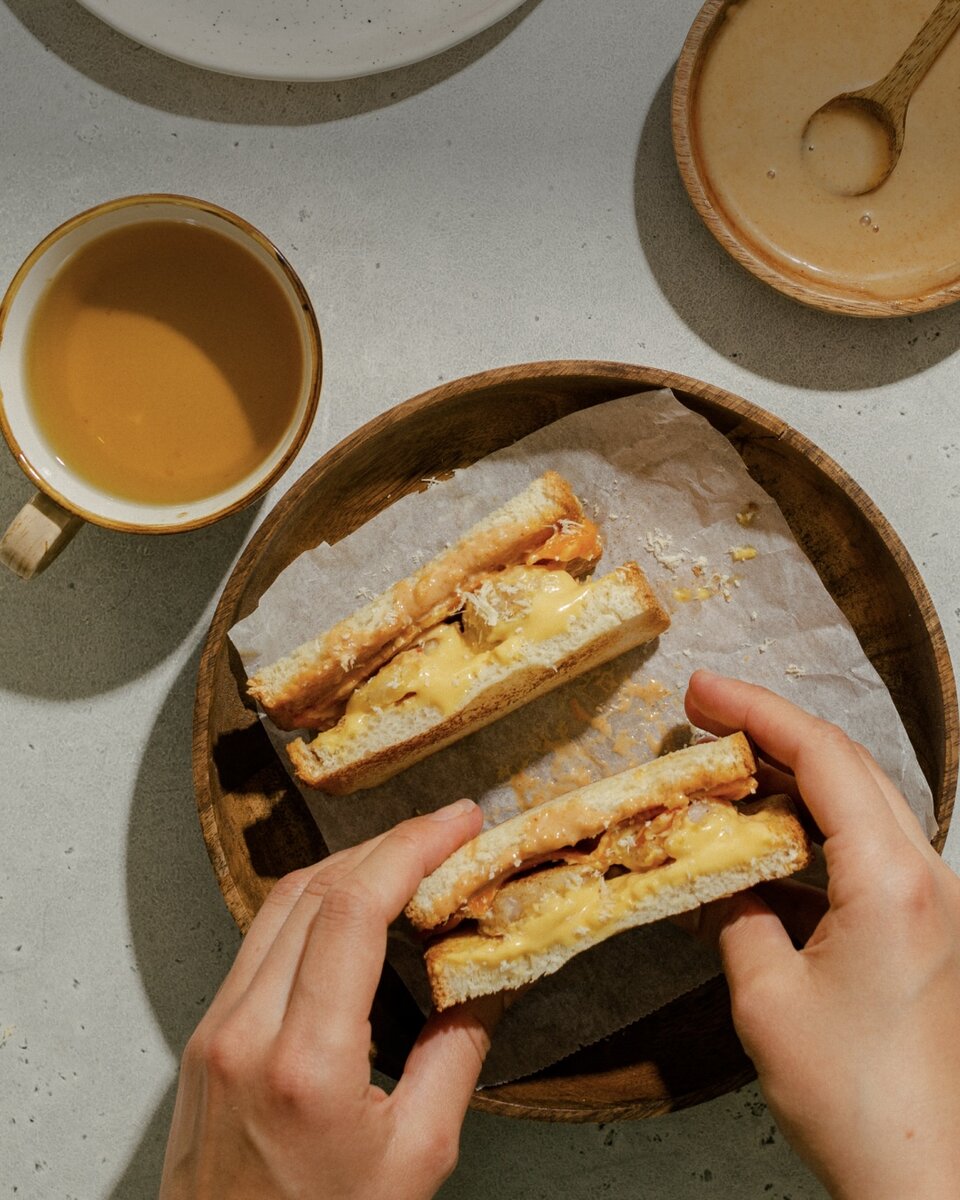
(834, 300)
(643, 378)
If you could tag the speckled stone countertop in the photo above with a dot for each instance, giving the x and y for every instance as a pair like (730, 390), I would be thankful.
(512, 199)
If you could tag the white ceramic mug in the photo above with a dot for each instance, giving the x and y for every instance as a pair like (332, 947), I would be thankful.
(65, 499)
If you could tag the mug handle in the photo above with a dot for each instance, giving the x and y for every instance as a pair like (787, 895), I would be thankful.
(36, 535)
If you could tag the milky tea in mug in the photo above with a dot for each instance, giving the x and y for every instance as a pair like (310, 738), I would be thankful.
(162, 363)
(160, 366)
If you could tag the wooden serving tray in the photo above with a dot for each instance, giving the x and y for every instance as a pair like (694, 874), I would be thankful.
(257, 827)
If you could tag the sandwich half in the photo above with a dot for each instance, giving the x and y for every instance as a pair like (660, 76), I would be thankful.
(527, 895)
(500, 617)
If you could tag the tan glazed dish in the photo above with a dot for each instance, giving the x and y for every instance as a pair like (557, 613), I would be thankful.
(256, 824)
(749, 77)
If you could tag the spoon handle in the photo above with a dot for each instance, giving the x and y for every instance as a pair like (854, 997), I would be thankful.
(898, 85)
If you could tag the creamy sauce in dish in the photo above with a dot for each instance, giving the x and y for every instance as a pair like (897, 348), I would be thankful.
(771, 65)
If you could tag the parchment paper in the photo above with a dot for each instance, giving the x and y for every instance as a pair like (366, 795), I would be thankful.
(671, 493)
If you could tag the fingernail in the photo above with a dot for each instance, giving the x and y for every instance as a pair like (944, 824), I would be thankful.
(706, 673)
(457, 809)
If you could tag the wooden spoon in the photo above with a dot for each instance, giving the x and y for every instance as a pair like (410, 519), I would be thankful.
(856, 137)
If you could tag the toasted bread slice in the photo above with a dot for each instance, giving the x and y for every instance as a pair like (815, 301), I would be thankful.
(723, 767)
(308, 688)
(611, 615)
(759, 841)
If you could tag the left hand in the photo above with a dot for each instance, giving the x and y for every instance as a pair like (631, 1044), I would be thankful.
(275, 1099)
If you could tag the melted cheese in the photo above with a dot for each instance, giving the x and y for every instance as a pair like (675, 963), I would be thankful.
(308, 688)
(442, 669)
(722, 839)
(684, 594)
(547, 613)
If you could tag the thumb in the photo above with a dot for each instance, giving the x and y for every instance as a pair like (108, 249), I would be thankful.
(442, 1068)
(748, 935)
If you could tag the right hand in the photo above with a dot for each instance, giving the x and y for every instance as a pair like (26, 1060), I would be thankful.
(854, 1036)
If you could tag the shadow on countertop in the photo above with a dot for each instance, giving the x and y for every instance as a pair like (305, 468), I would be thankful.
(750, 322)
(183, 938)
(147, 77)
(111, 606)
(141, 1177)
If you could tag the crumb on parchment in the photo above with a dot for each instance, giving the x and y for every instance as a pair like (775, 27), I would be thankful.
(660, 544)
(719, 584)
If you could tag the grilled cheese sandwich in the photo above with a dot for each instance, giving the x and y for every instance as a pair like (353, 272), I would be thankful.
(501, 617)
(526, 896)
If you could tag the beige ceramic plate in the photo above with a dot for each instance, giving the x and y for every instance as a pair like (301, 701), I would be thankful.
(300, 39)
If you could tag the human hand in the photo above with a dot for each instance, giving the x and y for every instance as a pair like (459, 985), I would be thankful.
(853, 1036)
(275, 1099)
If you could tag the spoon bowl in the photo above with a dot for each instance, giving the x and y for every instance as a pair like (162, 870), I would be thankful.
(853, 142)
